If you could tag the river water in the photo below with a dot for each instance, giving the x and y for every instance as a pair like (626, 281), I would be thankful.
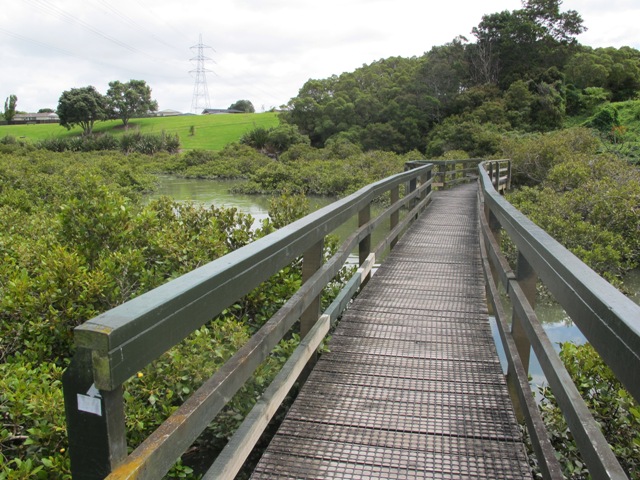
(557, 324)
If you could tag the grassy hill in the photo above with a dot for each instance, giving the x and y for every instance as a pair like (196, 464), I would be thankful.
(212, 132)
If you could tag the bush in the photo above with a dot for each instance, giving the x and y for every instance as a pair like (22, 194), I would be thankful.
(75, 241)
(32, 435)
(148, 144)
(613, 408)
(588, 203)
(533, 155)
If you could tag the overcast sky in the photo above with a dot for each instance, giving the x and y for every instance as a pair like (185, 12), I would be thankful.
(261, 50)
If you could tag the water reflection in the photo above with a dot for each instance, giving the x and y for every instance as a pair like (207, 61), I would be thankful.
(211, 192)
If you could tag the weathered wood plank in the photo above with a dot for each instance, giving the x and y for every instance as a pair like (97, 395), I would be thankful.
(230, 460)
(411, 387)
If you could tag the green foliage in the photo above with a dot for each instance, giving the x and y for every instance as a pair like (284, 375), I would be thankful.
(81, 106)
(533, 155)
(523, 43)
(243, 105)
(235, 161)
(475, 138)
(613, 408)
(10, 108)
(32, 436)
(136, 142)
(273, 141)
(386, 96)
(129, 99)
(586, 201)
(604, 120)
(287, 208)
(75, 241)
(319, 173)
(526, 72)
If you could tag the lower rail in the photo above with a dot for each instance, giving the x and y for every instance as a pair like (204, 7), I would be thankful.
(609, 321)
(115, 345)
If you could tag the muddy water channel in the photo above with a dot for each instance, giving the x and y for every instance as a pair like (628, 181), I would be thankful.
(556, 323)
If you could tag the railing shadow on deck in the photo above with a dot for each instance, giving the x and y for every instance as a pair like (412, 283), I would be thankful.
(609, 320)
(114, 346)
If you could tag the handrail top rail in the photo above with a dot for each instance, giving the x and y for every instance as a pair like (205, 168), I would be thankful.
(115, 327)
(584, 294)
(444, 162)
(615, 301)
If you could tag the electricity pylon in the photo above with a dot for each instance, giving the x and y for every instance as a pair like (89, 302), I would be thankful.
(200, 99)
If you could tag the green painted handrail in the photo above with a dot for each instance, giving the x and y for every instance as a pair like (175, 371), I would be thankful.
(609, 320)
(114, 346)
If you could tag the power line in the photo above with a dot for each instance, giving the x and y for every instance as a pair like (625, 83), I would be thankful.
(61, 14)
(133, 23)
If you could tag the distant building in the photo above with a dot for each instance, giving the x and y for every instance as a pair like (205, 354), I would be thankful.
(167, 113)
(217, 111)
(27, 118)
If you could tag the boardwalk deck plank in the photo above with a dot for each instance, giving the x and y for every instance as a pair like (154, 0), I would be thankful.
(411, 386)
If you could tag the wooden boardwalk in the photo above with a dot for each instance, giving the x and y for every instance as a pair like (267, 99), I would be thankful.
(412, 386)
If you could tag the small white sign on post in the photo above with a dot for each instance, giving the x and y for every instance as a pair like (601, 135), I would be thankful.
(91, 402)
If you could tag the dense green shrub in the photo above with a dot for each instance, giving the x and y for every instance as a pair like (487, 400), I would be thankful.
(75, 241)
(590, 205)
(32, 436)
(273, 141)
(469, 135)
(613, 408)
(148, 144)
(533, 155)
(322, 174)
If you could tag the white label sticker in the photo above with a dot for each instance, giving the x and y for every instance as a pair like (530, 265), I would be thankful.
(89, 404)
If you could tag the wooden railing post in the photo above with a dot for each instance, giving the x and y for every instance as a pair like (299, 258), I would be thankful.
(95, 421)
(443, 174)
(492, 173)
(364, 216)
(395, 216)
(527, 279)
(495, 228)
(311, 262)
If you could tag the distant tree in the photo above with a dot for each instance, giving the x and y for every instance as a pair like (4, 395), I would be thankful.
(615, 69)
(81, 106)
(243, 106)
(46, 110)
(129, 99)
(388, 91)
(10, 108)
(523, 43)
(587, 69)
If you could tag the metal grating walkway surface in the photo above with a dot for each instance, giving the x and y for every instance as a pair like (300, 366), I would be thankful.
(412, 386)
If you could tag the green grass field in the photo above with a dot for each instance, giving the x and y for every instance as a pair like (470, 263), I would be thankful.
(212, 132)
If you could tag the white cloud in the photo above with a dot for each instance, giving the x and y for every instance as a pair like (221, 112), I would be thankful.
(264, 49)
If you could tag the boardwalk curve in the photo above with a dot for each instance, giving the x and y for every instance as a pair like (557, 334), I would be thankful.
(412, 386)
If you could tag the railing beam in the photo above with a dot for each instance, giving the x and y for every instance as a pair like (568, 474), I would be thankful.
(608, 320)
(115, 345)
(520, 392)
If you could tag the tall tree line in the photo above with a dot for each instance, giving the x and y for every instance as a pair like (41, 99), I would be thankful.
(525, 71)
